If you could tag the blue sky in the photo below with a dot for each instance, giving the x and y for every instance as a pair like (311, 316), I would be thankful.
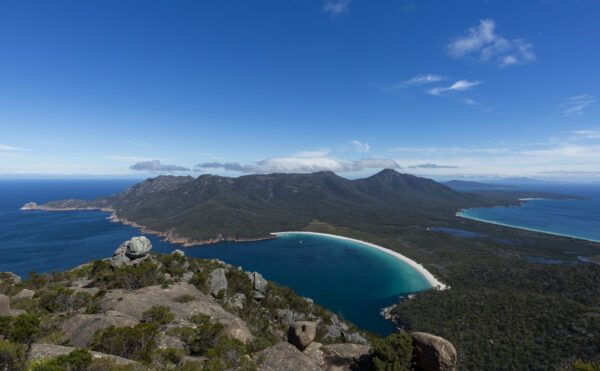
(435, 88)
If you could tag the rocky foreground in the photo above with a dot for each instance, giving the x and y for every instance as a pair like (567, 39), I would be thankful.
(140, 311)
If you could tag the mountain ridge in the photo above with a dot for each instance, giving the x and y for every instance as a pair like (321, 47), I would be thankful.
(212, 208)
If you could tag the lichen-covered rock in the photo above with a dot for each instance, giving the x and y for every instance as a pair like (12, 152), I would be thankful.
(46, 351)
(4, 306)
(218, 281)
(134, 303)
(131, 252)
(344, 356)
(335, 328)
(178, 252)
(138, 247)
(10, 278)
(24, 294)
(287, 316)
(433, 353)
(354, 338)
(284, 357)
(302, 333)
(81, 328)
(314, 352)
(238, 300)
(259, 285)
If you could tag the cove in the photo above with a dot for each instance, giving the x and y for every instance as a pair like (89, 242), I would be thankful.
(348, 277)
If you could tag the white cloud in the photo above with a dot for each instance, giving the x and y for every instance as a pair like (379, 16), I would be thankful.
(335, 7)
(6, 148)
(360, 146)
(575, 106)
(322, 152)
(296, 164)
(430, 165)
(157, 166)
(588, 134)
(484, 42)
(419, 80)
(460, 85)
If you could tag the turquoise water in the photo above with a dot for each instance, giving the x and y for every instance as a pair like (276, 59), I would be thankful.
(347, 277)
(572, 218)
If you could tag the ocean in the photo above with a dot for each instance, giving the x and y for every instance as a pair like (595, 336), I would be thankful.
(579, 218)
(346, 277)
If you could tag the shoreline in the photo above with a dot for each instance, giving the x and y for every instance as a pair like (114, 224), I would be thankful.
(461, 214)
(169, 236)
(430, 278)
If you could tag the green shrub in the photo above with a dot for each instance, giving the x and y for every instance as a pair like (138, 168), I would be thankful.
(136, 342)
(77, 360)
(580, 365)
(57, 299)
(172, 355)
(185, 298)
(81, 300)
(158, 314)
(133, 277)
(12, 356)
(238, 282)
(130, 277)
(200, 280)
(204, 336)
(226, 354)
(174, 264)
(393, 353)
(22, 329)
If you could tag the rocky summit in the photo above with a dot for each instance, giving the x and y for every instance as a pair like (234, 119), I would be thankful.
(142, 311)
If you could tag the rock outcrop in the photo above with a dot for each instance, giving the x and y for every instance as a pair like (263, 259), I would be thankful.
(433, 353)
(4, 305)
(259, 285)
(81, 328)
(135, 303)
(345, 356)
(45, 351)
(9, 278)
(302, 333)
(5, 309)
(24, 294)
(218, 281)
(130, 251)
(284, 357)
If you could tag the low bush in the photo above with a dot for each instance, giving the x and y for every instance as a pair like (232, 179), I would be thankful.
(56, 299)
(226, 354)
(185, 298)
(393, 353)
(22, 329)
(200, 280)
(12, 356)
(203, 337)
(158, 314)
(77, 360)
(136, 342)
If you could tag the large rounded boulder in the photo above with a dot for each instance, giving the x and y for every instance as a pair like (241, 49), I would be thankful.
(138, 247)
(302, 333)
(433, 353)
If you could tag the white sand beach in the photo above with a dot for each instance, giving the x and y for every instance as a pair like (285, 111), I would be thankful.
(434, 282)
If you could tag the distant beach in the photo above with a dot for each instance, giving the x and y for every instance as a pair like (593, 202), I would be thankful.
(430, 278)
(576, 217)
(464, 214)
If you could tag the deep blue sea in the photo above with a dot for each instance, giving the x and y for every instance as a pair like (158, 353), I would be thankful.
(573, 218)
(346, 277)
